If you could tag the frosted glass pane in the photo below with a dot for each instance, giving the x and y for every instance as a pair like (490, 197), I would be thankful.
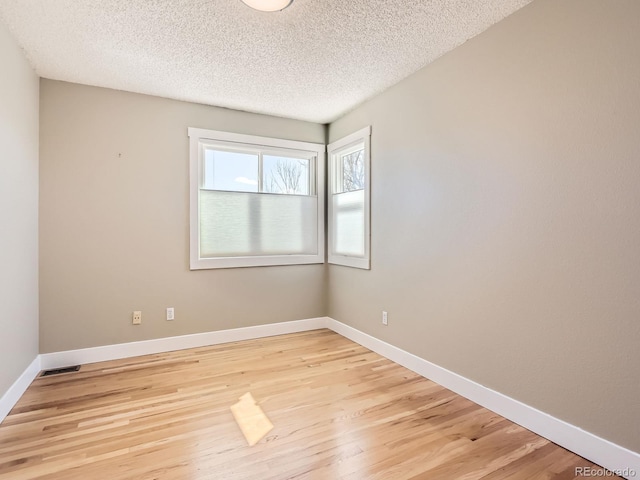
(286, 175)
(232, 171)
(236, 224)
(348, 223)
(289, 224)
(225, 220)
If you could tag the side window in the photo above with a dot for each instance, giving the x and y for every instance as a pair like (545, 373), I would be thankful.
(349, 200)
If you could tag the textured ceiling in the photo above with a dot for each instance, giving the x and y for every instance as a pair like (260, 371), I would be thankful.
(314, 61)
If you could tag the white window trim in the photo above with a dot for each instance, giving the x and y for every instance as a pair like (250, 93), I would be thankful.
(361, 136)
(198, 136)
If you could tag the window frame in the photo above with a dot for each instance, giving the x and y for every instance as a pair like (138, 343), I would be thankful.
(199, 139)
(334, 151)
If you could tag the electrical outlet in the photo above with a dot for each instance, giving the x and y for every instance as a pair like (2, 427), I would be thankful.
(385, 320)
(137, 317)
(170, 313)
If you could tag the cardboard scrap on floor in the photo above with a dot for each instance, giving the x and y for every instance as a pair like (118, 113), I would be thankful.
(251, 419)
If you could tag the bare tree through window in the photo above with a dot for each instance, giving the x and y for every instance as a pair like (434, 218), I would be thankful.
(287, 177)
(353, 171)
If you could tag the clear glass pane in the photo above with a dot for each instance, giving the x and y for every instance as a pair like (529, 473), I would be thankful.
(286, 175)
(233, 171)
(352, 169)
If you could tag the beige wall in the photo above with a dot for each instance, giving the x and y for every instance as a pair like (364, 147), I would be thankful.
(506, 213)
(18, 212)
(114, 224)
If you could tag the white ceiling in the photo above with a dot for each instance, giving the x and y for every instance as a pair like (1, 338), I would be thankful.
(314, 61)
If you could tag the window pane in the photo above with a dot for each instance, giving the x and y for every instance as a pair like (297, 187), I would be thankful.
(225, 224)
(352, 166)
(232, 171)
(289, 225)
(348, 223)
(234, 224)
(286, 175)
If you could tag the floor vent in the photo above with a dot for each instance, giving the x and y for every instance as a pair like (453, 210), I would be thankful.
(58, 371)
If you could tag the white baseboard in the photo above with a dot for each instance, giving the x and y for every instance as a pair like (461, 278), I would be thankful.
(168, 344)
(598, 450)
(585, 444)
(11, 396)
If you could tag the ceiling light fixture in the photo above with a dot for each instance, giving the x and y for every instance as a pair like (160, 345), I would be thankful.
(268, 5)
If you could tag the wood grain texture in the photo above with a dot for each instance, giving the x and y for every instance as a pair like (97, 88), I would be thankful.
(339, 411)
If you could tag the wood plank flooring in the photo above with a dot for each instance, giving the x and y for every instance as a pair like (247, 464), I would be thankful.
(339, 411)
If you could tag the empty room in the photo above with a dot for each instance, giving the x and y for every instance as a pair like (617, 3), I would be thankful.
(319, 239)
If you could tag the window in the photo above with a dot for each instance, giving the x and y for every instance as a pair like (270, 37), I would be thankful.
(349, 200)
(255, 201)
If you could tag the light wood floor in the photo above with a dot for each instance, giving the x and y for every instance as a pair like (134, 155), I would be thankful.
(339, 411)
